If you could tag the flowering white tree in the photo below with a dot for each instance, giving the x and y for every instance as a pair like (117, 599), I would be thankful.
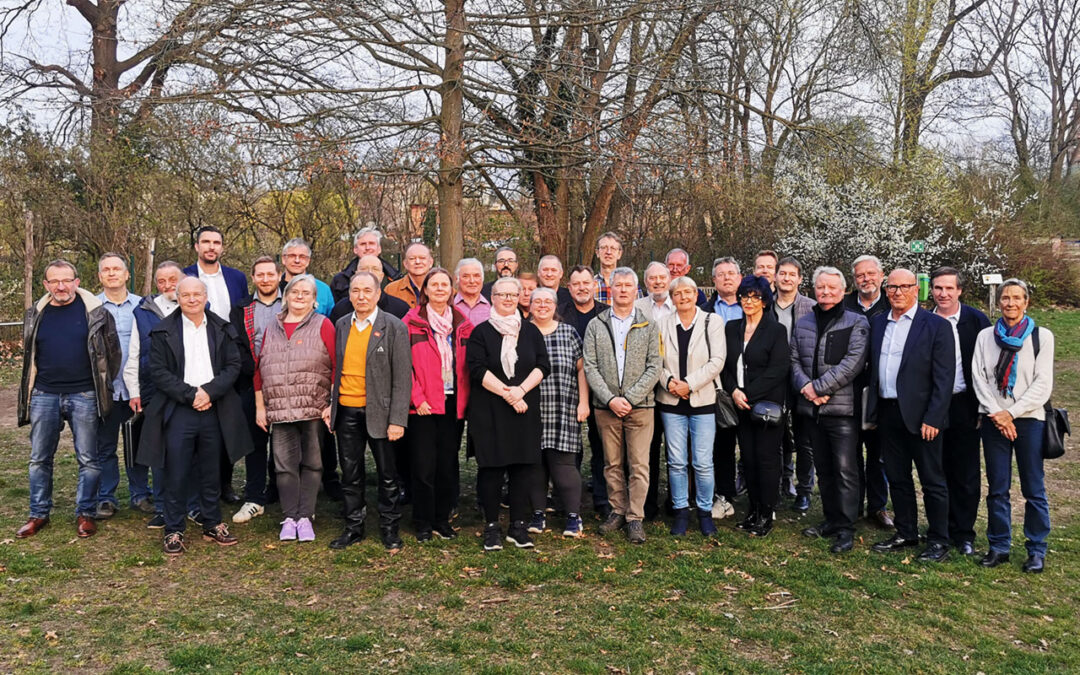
(836, 223)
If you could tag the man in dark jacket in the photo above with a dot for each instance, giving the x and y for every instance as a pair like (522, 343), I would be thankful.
(387, 303)
(71, 355)
(912, 369)
(194, 362)
(828, 351)
(367, 241)
(961, 445)
(868, 300)
(226, 286)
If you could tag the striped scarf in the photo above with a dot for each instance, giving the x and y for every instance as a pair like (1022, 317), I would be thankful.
(1010, 340)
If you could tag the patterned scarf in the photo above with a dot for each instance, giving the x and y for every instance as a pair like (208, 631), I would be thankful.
(1010, 340)
(443, 326)
(508, 327)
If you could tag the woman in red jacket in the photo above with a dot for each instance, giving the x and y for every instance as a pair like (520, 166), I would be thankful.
(440, 392)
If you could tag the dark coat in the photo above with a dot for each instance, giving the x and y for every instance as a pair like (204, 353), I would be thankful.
(167, 370)
(971, 322)
(766, 360)
(388, 374)
(501, 436)
(924, 381)
(841, 357)
(235, 281)
(339, 285)
(387, 303)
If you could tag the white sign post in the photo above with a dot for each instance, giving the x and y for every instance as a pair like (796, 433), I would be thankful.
(991, 281)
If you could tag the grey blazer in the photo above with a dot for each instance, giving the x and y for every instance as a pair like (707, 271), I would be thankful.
(389, 372)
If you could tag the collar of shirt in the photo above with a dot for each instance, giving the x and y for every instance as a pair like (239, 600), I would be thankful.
(697, 313)
(858, 299)
(204, 273)
(277, 298)
(954, 317)
(190, 325)
(910, 313)
(130, 299)
(361, 324)
(166, 305)
(480, 300)
(666, 304)
(615, 317)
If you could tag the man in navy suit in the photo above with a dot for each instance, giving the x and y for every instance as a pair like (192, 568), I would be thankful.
(912, 370)
(960, 455)
(225, 286)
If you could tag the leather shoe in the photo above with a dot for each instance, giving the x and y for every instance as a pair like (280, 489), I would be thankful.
(801, 504)
(894, 543)
(1034, 564)
(934, 553)
(818, 531)
(843, 543)
(965, 548)
(85, 526)
(31, 527)
(993, 559)
(882, 519)
(347, 538)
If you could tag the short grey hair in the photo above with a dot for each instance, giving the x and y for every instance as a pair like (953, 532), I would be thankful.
(674, 251)
(1020, 283)
(550, 257)
(826, 269)
(656, 263)
(544, 290)
(726, 260)
(295, 242)
(112, 254)
(302, 279)
(624, 272)
(507, 280)
(365, 232)
(169, 263)
(362, 275)
(59, 262)
(679, 282)
(468, 261)
(867, 258)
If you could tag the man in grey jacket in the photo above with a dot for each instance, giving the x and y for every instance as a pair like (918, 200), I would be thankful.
(369, 405)
(828, 350)
(622, 365)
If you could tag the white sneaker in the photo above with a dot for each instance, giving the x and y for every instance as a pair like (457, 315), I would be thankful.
(722, 508)
(248, 511)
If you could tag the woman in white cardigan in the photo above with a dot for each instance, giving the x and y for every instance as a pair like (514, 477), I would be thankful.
(1013, 374)
(693, 348)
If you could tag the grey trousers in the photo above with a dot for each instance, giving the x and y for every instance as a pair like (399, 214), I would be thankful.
(297, 452)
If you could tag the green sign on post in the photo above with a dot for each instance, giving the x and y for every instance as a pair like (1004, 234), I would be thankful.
(918, 246)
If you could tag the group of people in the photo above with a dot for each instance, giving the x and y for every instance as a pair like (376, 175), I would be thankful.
(299, 377)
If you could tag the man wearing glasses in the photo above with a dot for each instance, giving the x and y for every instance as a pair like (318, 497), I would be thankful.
(418, 262)
(506, 265)
(912, 369)
(609, 250)
(71, 356)
(295, 258)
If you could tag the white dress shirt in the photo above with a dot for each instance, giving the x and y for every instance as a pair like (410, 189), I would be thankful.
(959, 386)
(217, 292)
(892, 350)
(131, 366)
(197, 367)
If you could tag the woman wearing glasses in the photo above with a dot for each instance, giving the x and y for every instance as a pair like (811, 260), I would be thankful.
(507, 360)
(755, 374)
(292, 393)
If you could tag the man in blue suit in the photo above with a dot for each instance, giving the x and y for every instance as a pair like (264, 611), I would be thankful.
(912, 369)
(225, 286)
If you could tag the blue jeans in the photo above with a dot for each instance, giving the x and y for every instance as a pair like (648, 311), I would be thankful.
(693, 435)
(107, 443)
(998, 451)
(48, 412)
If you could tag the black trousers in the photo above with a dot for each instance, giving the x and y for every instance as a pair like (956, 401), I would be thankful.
(258, 470)
(960, 458)
(798, 454)
(835, 441)
(900, 448)
(193, 446)
(874, 485)
(724, 462)
(561, 469)
(329, 459)
(433, 449)
(596, 464)
(761, 453)
(352, 437)
(652, 497)
(489, 482)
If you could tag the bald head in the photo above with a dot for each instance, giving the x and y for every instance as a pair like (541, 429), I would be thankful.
(902, 288)
(191, 294)
(372, 264)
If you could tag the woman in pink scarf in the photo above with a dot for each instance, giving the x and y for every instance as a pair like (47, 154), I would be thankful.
(507, 360)
(437, 335)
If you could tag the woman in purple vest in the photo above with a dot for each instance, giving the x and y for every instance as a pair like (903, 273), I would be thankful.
(292, 395)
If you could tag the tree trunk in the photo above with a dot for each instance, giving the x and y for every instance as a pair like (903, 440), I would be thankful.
(28, 262)
(452, 144)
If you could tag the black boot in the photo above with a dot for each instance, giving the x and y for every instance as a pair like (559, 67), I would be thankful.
(751, 517)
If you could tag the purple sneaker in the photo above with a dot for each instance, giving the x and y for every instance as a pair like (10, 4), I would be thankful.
(304, 531)
(288, 530)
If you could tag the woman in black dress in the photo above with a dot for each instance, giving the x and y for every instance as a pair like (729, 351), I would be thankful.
(756, 371)
(507, 360)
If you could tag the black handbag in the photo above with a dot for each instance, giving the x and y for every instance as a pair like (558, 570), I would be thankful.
(131, 430)
(1057, 425)
(725, 407)
(767, 413)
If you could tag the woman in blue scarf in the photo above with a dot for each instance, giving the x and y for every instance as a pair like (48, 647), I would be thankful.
(1013, 374)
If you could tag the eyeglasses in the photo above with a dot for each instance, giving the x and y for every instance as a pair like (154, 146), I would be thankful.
(58, 282)
(505, 261)
(750, 298)
(899, 288)
(609, 249)
(504, 296)
(297, 256)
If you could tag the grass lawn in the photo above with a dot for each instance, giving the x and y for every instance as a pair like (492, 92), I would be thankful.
(113, 603)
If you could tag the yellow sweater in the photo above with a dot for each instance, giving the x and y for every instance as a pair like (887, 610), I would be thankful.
(353, 390)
